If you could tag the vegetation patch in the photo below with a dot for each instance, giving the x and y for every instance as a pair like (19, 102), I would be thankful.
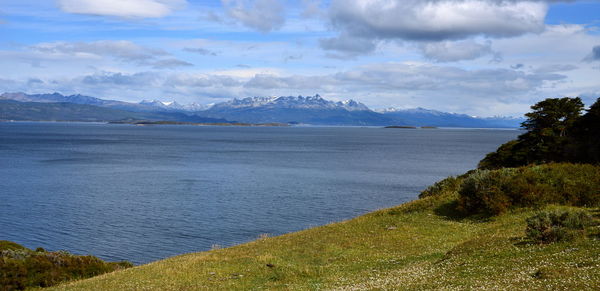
(22, 268)
(446, 186)
(557, 226)
(556, 132)
(492, 192)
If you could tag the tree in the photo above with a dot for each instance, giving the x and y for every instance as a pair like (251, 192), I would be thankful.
(548, 127)
(585, 137)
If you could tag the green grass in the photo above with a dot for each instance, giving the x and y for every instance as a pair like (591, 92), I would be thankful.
(417, 245)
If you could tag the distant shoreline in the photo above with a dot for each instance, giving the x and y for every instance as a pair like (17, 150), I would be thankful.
(145, 123)
(252, 124)
(142, 123)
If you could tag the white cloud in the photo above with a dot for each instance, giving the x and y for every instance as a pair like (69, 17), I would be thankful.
(434, 22)
(122, 8)
(347, 46)
(437, 19)
(200, 51)
(561, 41)
(261, 15)
(120, 49)
(119, 79)
(170, 64)
(555, 68)
(451, 51)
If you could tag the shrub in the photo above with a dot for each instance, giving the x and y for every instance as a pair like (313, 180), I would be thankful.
(547, 227)
(492, 192)
(21, 267)
(450, 184)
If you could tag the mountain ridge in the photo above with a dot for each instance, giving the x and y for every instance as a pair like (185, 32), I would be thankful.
(283, 109)
(312, 102)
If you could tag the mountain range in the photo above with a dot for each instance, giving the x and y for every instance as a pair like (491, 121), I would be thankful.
(313, 110)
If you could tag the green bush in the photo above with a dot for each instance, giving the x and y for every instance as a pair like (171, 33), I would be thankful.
(450, 184)
(21, 267)
(547, 227)
(491, 192)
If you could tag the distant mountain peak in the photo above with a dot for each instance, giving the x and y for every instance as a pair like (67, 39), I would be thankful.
(298, 102)
(174, 106)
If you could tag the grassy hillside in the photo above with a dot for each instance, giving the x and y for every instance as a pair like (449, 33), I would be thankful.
(424, 244)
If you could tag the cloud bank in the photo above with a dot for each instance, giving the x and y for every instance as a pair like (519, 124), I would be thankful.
(448, 51)
(261, 15)
(436, 22)
(122, 50)
(122, 8)
(447, 86)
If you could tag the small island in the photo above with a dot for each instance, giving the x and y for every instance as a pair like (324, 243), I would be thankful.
(401, 126)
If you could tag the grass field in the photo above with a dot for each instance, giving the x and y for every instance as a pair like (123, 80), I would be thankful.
(415, 246)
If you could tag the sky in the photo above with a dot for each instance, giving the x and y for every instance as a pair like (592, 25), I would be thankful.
(479, 57)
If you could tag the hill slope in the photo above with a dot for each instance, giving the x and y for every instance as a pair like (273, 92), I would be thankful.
(417, 245)
(13, 110)
(64, 111)
(422, 116)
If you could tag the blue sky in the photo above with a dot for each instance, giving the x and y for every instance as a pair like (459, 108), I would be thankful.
(481, 57)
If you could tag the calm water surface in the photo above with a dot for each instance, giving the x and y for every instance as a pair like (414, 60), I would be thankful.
(123, 192)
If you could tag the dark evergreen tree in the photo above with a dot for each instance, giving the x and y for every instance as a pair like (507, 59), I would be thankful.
(547, 139)
(548, 127)
(585, 136)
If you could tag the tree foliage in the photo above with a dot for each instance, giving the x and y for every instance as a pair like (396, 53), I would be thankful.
(556, 132)
(585, 144)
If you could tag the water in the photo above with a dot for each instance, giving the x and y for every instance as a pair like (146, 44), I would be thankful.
(125, 192)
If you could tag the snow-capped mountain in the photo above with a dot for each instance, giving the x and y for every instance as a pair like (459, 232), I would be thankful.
(300, 109)
(161, 104)
(299, 102)
(422, 116)
(290, 109)
(174, 106)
